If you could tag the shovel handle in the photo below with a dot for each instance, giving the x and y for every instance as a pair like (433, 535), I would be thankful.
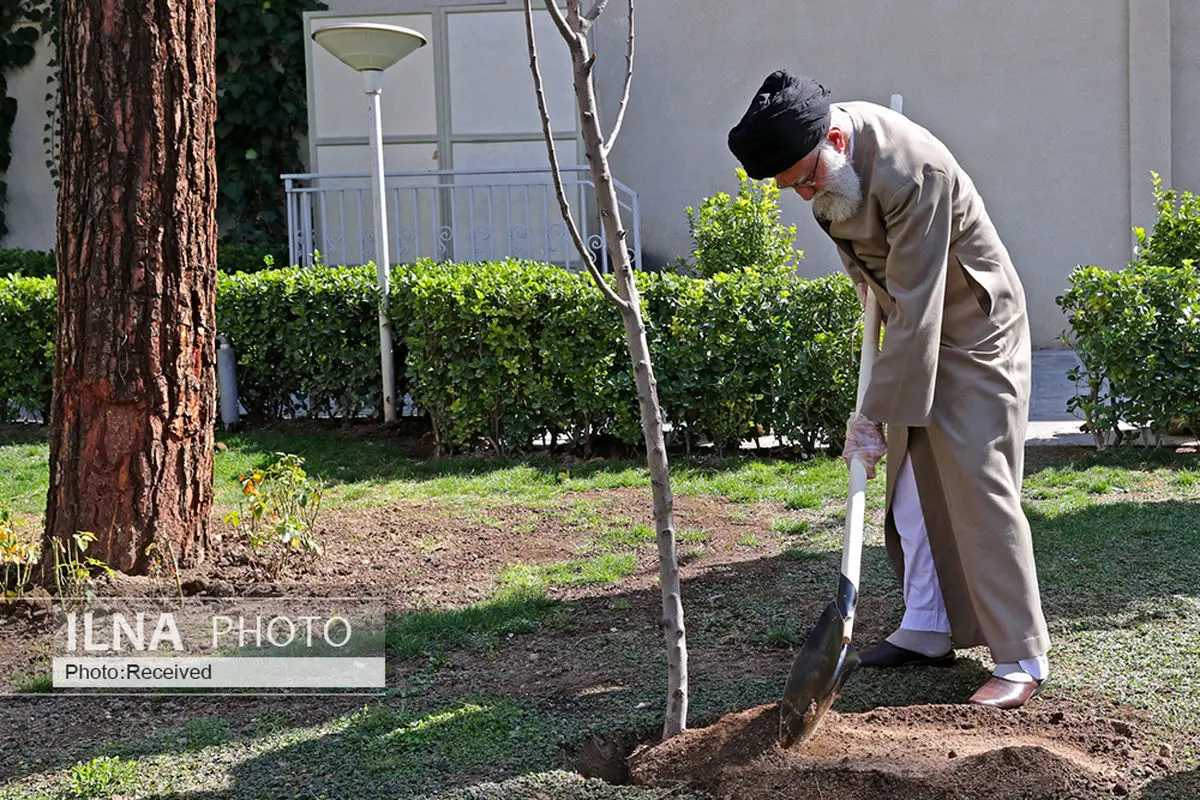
(856, 502)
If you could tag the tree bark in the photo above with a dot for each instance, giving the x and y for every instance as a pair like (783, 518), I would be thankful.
(131, 451)
(573, 28)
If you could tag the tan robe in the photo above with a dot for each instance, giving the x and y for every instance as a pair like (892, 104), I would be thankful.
(952, 381)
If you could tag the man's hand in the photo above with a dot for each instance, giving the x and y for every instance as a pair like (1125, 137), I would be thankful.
(864, 441)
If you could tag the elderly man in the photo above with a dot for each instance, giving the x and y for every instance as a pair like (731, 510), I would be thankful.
(952, 380)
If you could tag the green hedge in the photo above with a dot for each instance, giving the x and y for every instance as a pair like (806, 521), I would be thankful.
(230, 258)
(1137, 335)
(305, 336)
(27, 309)
(27, 263)
(502, 353)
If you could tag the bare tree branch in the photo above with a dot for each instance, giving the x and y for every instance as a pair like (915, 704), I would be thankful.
(596, 10)
(612, 137)
(584, 253)
(674, 632)
(559, 21)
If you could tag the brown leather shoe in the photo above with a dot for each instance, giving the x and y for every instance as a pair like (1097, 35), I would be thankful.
(886, 654)
(1004, 693)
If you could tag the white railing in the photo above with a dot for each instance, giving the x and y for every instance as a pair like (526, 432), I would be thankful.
(452, 215)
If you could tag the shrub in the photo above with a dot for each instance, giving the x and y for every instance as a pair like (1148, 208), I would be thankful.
(719, 352)
(730, 234)
(277, 514)
(1137, 335)
(27, 322)
(820, 340)
(504, 353)
(307, 340)
(27, 263)
(1137, 332)
(251, 257)
(230, 258)
(1176, 235)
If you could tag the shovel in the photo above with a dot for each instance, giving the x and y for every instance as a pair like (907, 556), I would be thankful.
(827, 657)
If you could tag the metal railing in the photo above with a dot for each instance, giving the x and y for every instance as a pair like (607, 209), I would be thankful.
(453, 215)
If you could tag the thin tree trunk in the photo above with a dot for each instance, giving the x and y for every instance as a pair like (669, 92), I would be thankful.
(131, 449)
(573, 28)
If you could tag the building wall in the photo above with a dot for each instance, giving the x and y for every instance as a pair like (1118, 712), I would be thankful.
(1027, 94)
(1185, 94)
(32, 198)
(1058, 109)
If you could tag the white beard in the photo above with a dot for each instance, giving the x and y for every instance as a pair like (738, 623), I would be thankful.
(842, 195)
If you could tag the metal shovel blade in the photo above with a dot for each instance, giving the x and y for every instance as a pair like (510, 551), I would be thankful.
(818, 672)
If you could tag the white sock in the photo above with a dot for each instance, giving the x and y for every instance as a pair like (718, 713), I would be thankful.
(927, 643)
(1027, 670)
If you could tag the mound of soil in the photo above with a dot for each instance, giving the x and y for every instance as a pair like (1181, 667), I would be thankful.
(909, 753)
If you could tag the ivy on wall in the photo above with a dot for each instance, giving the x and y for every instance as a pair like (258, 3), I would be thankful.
(21, 24)
(262, 112)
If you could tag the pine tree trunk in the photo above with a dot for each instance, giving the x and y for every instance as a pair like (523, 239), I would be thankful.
(131, 450)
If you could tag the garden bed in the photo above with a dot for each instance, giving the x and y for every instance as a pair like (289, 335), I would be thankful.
(547, 691)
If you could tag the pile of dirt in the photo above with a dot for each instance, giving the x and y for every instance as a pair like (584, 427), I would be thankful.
(909, 753)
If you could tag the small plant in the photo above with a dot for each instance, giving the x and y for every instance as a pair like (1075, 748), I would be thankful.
(789, 525)
(747, 540)
(1175, 239)
(278, 514)
(164, 564)
(16, 556)
(100, 777)
(782, 636)
(75, 570)
(691, 534)
(733, 233)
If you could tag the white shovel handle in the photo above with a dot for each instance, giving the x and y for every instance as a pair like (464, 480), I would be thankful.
(856, 503)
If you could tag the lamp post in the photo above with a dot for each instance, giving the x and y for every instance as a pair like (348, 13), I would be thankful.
(371, 48)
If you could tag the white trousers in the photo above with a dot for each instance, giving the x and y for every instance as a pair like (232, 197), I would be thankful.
(924, 608)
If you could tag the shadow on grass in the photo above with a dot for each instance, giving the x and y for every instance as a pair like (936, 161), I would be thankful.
(1101, 559)
(1094, 560)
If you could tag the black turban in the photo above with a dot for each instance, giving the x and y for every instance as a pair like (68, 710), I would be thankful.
(787, 120)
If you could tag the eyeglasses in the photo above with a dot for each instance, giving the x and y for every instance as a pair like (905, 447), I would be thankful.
(807, 182)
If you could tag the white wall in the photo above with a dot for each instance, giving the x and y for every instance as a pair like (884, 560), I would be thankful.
(1058, 109)
(32, 199)
(1185, 91)
(1027, 94)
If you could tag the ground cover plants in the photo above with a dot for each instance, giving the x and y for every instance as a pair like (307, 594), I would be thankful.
(523, 655)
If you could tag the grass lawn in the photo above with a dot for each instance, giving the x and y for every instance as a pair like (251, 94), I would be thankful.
(502, 696)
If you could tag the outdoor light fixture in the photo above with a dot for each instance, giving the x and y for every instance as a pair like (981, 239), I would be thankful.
(371, 48)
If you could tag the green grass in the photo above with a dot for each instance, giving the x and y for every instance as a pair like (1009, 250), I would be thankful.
(603, 569)
(367, 472)
(433, 630)
(99, 778)
(1118, 544)
(789, 525)
(24, 474)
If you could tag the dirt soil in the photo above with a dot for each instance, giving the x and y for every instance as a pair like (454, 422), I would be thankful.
(910, 753)
(416, 554)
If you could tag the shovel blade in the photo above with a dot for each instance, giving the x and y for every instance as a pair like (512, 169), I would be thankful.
(818, 672)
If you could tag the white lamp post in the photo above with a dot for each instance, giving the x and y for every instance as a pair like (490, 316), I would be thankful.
(370, 49)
